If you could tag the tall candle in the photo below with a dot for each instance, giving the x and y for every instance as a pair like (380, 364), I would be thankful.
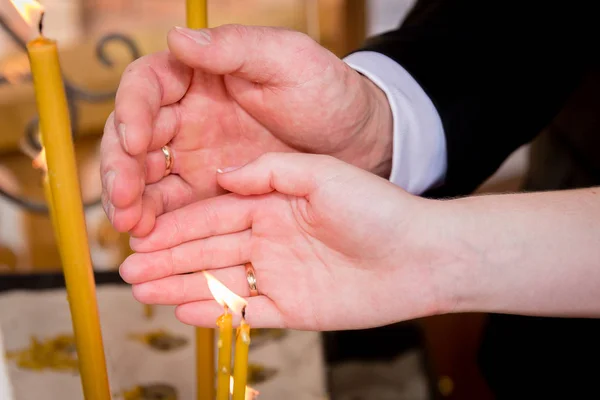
(63, 180)
(240, 366)
(50, 205)
(196, 14)
(224, 362)
(196, 18)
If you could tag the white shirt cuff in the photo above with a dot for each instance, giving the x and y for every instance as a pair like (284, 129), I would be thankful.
(419, 150)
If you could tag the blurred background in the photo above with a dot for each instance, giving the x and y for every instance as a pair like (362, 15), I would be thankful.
(418, 360)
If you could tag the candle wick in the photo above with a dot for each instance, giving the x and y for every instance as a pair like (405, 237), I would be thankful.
(244, 312)
(41, 23)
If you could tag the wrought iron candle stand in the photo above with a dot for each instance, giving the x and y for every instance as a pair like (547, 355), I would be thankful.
(74, 96)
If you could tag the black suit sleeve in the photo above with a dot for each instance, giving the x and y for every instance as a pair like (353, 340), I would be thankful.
(497, 72)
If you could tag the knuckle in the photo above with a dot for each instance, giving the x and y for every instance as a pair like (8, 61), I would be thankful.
(230, 32)
(237, 29)
(301, 39)
(133, 66)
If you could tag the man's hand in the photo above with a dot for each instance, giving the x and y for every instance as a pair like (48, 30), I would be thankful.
(224, 96)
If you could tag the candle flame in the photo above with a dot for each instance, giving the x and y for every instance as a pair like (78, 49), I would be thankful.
(22, 17)
(251, 394)
(39, 161)
(30, 10)
(224, 296)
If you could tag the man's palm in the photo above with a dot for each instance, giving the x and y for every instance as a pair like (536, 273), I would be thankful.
(222, 103)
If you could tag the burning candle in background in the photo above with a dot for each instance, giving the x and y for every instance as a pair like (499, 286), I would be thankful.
(20, 16)
(224, 322)
(224, 361)
(240, 366)
(237, 305)
(251, 393)
(55, 126)
(64, 19)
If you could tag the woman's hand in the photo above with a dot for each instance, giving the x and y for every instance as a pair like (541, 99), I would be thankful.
(224, 96)
(333, 246)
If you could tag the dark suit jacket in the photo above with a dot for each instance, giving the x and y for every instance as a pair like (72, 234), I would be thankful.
(499, 73)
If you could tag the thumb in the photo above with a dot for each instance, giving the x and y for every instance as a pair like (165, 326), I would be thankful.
(257, 54)
(295, 174)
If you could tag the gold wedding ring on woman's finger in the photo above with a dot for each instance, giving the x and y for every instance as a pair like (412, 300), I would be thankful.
(251, 278)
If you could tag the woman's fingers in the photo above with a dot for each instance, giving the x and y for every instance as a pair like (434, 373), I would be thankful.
(179, 289)
(261, 312)
(204, 254)
(295, 174)
(215, 216)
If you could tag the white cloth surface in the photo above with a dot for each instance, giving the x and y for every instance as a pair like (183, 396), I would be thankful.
(5, 384)
(297, 357)
(419, 152)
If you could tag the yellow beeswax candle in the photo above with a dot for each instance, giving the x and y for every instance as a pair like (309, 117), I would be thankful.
(240, 366)
(50, 204)
(205, 364)
(69, 217)
(224, 362)
(196, 14)
(196, 18)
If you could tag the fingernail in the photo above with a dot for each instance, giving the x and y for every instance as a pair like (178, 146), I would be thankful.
(109, 180)
(228, 169)
(122, 129)
(200, 36)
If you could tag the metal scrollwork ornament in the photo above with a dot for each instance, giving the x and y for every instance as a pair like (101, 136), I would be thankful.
(75, 95)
